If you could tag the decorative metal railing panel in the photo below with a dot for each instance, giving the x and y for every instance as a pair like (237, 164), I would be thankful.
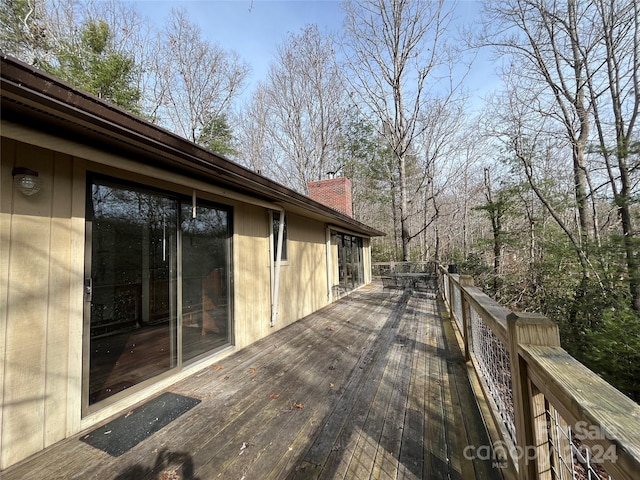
(457, 307)
(494, 363)
(569, 458)
(444, 288)
(534, 440)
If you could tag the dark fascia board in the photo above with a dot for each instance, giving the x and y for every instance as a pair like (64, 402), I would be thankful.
(40, 99)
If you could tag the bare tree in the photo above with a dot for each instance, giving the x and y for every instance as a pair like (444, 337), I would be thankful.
(440, 145)
(198, 80)
(531, 141)
(392, 48)
(614, 88)
(33, 30)
(578, 64)
(42, 32)
(254, 142)
(545, 40)
(136, 36)
(300, 107)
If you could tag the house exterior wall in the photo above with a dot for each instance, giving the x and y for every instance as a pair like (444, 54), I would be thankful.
(42, 261)
(251, 277)
(303, 278)
(36, 309)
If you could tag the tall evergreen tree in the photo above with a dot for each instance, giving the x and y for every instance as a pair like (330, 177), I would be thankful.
(216, 135)
(89, 62)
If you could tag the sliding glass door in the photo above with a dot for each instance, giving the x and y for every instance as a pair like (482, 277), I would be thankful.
(156, 288)
(350, 263)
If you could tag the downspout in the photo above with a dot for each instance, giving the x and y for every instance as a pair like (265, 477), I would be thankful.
(369, 277)
(275, 286)
(329, 265)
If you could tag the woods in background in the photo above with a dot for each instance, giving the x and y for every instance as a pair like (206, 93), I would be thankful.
(533, 190)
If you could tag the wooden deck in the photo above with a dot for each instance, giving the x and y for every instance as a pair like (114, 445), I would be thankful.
(373, 386)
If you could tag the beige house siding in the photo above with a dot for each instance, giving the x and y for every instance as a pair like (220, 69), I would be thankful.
(303, 276)
(35, 255)
(251, 278)
(42, 256)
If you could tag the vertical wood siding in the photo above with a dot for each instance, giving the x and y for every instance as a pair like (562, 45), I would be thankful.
(42, 255)
(252, 297)
(303, 282)
(36, 249)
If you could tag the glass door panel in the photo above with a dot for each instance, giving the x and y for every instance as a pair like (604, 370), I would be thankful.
(358, 264)
(132, 287)
(205, 280)
(350, 264)
(342, 263)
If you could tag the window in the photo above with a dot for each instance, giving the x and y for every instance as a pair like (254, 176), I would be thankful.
(276, 232)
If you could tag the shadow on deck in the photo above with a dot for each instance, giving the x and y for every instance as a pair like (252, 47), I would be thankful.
(372, 386)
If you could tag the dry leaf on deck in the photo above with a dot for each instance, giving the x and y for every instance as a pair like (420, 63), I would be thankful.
(242, 448)
(273, 396)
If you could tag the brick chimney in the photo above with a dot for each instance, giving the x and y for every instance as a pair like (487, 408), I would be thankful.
(334, 193)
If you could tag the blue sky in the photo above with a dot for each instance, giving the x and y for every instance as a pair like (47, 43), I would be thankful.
(254, 28)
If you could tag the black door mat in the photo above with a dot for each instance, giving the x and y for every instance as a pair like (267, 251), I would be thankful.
(125, 432)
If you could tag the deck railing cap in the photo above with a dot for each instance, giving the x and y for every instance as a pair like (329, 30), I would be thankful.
(532, 329)
(528, 317)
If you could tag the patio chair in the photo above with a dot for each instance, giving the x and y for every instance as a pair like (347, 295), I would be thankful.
(391, 283)
(428, 284)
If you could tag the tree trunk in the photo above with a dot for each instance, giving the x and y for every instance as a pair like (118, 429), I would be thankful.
(579, 143)
(404, 211)
(495, 212)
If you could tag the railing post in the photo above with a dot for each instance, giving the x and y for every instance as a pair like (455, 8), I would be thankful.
(465, 281)
(528, 404)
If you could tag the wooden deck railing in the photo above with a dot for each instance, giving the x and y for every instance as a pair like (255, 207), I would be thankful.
(555, 418)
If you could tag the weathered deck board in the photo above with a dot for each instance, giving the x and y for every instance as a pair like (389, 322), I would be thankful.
(337, 443)
(373, 386)
(412, 454)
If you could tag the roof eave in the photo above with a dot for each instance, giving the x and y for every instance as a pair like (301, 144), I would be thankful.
(32, 87)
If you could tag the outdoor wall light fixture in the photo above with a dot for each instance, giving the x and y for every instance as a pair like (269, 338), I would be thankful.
(26, 181)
